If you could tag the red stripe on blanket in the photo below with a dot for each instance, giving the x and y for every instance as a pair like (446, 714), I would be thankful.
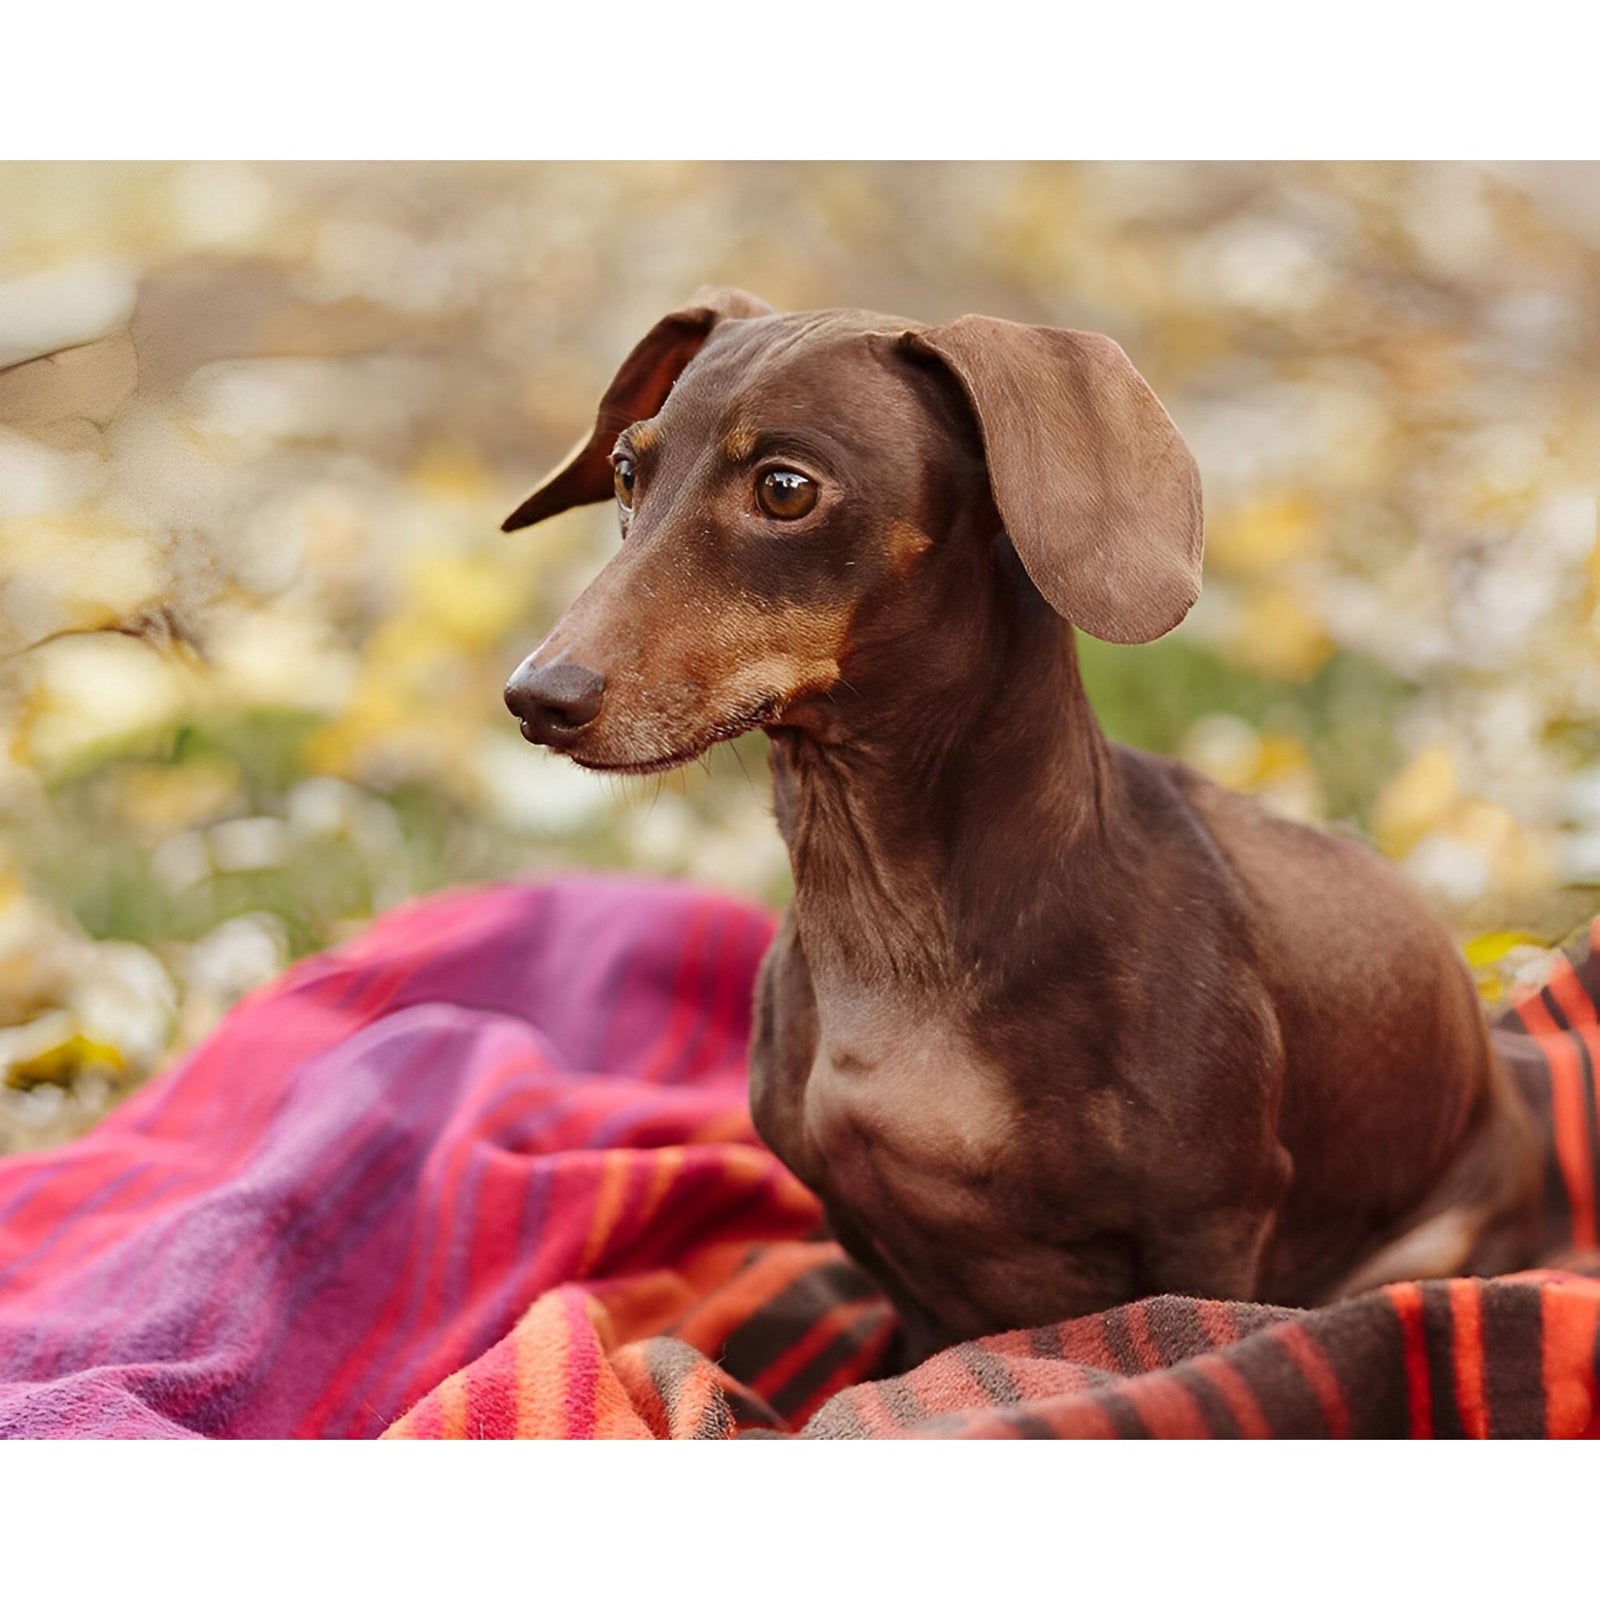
(1571, 1131)
(1407, 1301)
(1320, 1377)
(1466, 1305)
(1569, 1316)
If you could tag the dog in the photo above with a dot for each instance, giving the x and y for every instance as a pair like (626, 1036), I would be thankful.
(1051, 1024)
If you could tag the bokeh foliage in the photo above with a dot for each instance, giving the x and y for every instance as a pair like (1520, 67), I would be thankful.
(259, 424)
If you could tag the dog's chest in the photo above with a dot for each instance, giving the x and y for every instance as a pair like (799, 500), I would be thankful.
(900, 1112)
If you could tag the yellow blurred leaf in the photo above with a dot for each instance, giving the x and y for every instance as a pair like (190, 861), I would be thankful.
(63, 1063)
(451, 473)
(1415, 801)
(338, 748)
(1517, 863)
(1263, 534)
(1484, 949)
(1278, 757)
(467, 599)
(1490, 955)
(1279, 636)
(161, 800)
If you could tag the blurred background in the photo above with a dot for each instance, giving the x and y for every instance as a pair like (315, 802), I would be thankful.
(259, 425)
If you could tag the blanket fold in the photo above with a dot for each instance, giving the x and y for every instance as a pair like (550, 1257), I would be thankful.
(487, 1171)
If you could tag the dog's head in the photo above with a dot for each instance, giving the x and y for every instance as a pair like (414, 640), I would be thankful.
(791, 491)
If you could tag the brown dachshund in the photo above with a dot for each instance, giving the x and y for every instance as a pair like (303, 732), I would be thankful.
(1052, 1024)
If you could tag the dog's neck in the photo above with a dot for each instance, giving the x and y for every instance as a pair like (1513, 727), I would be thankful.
(928, 806)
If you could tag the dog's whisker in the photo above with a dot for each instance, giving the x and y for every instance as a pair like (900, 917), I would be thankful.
(739, 757)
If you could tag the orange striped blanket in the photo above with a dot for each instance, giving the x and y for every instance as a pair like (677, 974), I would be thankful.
(487, 1171)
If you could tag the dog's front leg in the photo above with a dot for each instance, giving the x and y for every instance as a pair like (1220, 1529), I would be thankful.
(1217, 1254)
(783, 1045)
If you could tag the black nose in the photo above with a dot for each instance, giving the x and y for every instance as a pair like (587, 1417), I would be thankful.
(554, 702)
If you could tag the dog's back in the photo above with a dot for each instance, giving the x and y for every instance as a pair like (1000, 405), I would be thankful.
(1370, 993)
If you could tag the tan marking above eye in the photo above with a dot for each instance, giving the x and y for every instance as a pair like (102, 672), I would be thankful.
(740, 443)
(906, 543)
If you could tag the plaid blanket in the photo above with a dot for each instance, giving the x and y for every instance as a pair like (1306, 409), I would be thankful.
(487, 1171)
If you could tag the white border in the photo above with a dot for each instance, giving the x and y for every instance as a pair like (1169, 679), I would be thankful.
(814, 1521)
(1221, 79)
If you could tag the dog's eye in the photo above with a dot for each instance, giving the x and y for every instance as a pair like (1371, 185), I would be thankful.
(622, 480)
(786, 495)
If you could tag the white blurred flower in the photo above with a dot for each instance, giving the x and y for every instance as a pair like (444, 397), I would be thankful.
(65, 306)
(279, 656)
(122, 994)
(662, 833)
(36, 480)
(1449, 220)
(249, 844)
(328, 807)
(95, 688)
(1453, 870)
(1223, 747)
(322, 807)
(220, 204)
(163, 478)
(1581, 796)
(1530, 329)
(1580, 855)
(370, 401)
(1258, 264)
(535, 792)
(745, 854)
(73, 578)
(181, 861)
(38, 1035)
(235, 957)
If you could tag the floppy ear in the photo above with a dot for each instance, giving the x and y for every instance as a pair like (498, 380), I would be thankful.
(1096, 487)
(640, 387)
